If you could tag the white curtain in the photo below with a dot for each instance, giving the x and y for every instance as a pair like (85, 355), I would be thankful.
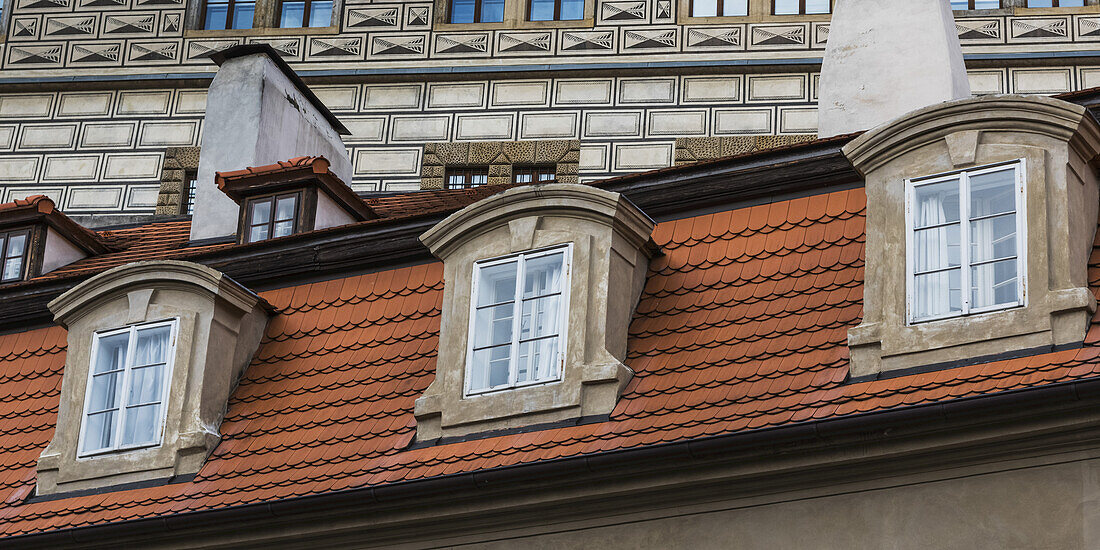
(146, 383)
(982, 276)
(932, 292)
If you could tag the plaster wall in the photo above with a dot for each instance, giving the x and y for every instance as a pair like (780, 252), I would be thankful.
(58, 252)
(329, 214)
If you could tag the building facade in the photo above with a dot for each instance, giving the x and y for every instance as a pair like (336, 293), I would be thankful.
(102, 101)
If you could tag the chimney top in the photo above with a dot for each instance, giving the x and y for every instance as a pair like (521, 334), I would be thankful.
(886, 58)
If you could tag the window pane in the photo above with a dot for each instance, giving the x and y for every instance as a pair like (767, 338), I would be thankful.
(490, 368)
(1043, 3)
(145, 385)
(258, 233)
(987, 4)
(215, 16)
(492, 11)
(543, 275)
(13, 269)
(111, 354)
(261, 212)
(936, 204)
(493, 325)
(497, 284)
(320, 14)
(104, 394)
(283, 229)
(786, 7)
(572, 10)
(540, 317)
(242, 15)
(16, 244)
(817, 6)
(286, 207)
(547, 176)
(141, 425)
(993, 284)
(936, 294)
(293, 14)
(479, 179)
(1071, 3)
(462, 11)
(993, 193)
(538, 360)
(542, 10)
(993, 238)
(937, 248)
(735, 8)
(523, 178)
(704, 8)
(152, 346)
(98, 431)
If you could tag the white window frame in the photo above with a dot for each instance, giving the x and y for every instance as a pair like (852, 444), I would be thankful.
(963, 176)
(125, 384)
(567, 262)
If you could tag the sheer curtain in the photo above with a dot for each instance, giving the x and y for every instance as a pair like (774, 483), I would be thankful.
(146, 383)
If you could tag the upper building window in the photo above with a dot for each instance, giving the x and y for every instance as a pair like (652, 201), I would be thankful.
(307, 13)
(465, 178)
(960, 5)
(719, 8)
(534, 174)
(228, 14)
(477, 11)
(516, 335)
(130, 369)
(801, 7)
(1055, 3)
(14, 247)
(271, 217)
(963, 235)
(555, 10)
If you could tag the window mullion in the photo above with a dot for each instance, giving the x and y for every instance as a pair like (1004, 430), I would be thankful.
(124, 386)
(517, 312)
(964, 245)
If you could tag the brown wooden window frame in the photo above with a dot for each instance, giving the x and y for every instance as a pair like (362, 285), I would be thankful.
(305, 16)
(1000, 5)
(536, 171)
(467, 172)
(719, 10)
(229, 5)
(557, 11)
(273, 198)
(24, 257)
(802, 8)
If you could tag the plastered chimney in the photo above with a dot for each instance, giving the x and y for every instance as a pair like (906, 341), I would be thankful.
(885, 58)
(258, 112)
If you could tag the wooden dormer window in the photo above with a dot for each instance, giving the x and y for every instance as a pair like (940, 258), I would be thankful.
(273, 216)
(15, 245)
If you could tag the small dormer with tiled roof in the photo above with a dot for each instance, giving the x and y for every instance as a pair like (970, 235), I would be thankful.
(37, 238)
(288, 197)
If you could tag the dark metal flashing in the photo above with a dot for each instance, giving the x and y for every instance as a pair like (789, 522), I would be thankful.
(580, 421)
(113, 488)
(210, 241)
(1058, 398)
(947, 365)
(242, 50)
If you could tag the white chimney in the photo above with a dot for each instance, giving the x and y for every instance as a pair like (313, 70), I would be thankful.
(885, 58)
(258, 112)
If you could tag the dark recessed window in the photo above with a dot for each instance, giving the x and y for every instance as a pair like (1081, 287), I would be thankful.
(719, 8)
(14, 247)
(227, 14)
(271, 217)
(477, 11)
(465, 178)
(534, 174)
(555, 10)
(190, 181)
(960, 5)
(801, 7)
(307, 13)
(1053, 3)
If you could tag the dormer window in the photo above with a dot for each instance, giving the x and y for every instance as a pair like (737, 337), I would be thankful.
(131, 367)
(271, 217)
(518, 319)
(963, 235)
(14, 247)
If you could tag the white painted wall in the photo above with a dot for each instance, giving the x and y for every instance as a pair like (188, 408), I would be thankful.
(330, 214)
(886, 58)
(255, 116)
(59, 252)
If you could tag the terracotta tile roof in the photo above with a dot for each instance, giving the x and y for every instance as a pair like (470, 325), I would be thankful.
(37, 209)
(742, 325)
(281, 166)
(436, 200)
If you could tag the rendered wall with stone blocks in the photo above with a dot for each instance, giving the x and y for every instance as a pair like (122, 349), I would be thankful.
(94, 93)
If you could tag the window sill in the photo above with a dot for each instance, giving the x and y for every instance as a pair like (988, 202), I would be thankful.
(1057, 11)
(272, 31)
(971, 315)
(515, 25)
